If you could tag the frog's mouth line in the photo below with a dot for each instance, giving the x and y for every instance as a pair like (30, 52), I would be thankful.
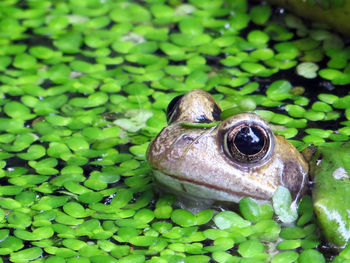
(199, 189)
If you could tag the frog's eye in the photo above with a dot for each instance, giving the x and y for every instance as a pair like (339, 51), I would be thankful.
(247, 143)
(171, 112)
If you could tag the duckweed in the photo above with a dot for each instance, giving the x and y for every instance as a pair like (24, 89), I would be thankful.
(282, 204)
(84, 88)
(285, 257)
(311, 255)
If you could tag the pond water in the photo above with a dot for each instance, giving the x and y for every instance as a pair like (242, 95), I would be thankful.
(84, 88)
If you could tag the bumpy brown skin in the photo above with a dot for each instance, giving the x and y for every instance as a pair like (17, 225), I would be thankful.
(196, 157)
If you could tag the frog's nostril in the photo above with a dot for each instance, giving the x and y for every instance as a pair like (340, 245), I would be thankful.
(203, 119)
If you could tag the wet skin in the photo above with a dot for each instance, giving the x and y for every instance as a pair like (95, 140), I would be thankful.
(238, 157)
(330, 172)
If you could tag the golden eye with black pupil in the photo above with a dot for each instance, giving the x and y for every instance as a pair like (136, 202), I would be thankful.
(247, 143)
(171, 112)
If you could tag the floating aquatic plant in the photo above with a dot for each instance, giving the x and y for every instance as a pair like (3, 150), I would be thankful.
(84, 87)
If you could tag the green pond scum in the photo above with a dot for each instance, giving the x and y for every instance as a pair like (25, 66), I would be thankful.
(84, 87)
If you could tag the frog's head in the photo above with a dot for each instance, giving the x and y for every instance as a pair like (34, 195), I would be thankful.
(238, 157)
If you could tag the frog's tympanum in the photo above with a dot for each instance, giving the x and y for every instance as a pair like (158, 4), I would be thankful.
(238, 157)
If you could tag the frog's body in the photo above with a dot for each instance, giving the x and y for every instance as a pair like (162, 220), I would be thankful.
(238, 157)
(330, 171)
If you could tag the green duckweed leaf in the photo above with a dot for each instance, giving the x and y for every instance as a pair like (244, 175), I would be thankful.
(69, 42)
(37, 234)
(49, 202)
(191, 26)
(251, 248)
(285, 257)
(58, 22)
(282, 204)
(12, 243)
(10, 190)
(199, 125)
(173, 51)
(250, 209)
(143, 241)
(279, 90)
(25, 61)
(163, 211)
(130, 13)
(144, 216)
(185, 40)
(77, 143)
(307, 70)
(34, 152)
(4, 233)
(90, 197)
(228, 219)
(17, 110)
(26, 254)
(9, 203)
(197, 258)
(5, 61)
(258, 38)
(204, 216)
(19, 220)
(260, 14)
(183, 218)
(311, 255)
(74, 209)
(41, 52)
(122, 198)
(136, 120)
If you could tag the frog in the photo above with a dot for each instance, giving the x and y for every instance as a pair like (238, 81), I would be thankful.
(330, 175)
(198, 155)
